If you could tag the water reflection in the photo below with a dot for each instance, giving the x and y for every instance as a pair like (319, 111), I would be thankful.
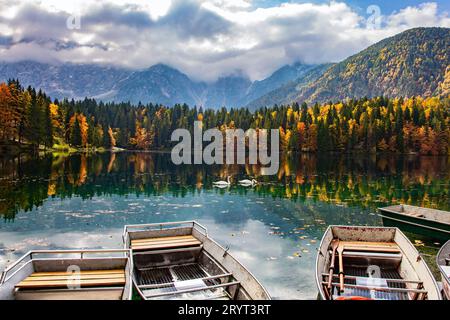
(83, 201)
(353, 181)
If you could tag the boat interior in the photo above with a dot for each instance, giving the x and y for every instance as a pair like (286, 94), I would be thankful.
(69, 275)
(172, 264)
(368, 265)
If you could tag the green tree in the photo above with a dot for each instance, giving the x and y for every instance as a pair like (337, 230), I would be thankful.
(75, 139)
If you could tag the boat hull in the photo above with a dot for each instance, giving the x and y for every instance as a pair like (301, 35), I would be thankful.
(409, 265)
(249, 287)
(58, 261)
(393, 217)
(414, 228)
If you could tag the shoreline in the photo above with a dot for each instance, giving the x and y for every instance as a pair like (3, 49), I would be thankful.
(19, 149)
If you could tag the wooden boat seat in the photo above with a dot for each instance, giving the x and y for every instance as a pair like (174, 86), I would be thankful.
(91, 279)
(164, 243)
(109, 293)
(370, 246)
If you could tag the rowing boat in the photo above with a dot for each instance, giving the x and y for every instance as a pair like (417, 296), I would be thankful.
(179, 260)
(372, 263)
(69, 275)
(428, 222)
(443, 262)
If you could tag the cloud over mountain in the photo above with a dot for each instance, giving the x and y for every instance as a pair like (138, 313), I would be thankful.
(205, 39)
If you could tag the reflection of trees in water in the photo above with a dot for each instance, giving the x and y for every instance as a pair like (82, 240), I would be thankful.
(365, 181)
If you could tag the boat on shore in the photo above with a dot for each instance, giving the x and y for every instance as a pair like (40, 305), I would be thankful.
(69, 275)
(443, 262)
(372, 263)
(428, 222)
(179, 260)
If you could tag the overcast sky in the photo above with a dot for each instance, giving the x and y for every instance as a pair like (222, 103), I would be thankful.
(205, 38)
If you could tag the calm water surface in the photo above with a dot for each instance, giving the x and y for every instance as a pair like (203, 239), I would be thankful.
(58, 202)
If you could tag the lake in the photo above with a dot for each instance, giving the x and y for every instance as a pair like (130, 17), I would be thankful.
(83, 201)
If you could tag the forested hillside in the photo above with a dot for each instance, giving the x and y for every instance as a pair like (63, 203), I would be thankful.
(288, 92)
(413, 63)
(419, 125)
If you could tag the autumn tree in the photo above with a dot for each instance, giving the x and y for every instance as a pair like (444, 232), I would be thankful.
(78, 128)
(109, 139)
(8, 114)
(398, 125)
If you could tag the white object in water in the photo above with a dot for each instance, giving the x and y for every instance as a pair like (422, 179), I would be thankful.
(248, 183)
(223, 183)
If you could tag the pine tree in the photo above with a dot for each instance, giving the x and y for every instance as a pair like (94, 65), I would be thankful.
(294, 142)
(323, 137)
(75, 139)
(42, 119)
(48, 127)
(25, 102)
(32, 131)
(399, 129)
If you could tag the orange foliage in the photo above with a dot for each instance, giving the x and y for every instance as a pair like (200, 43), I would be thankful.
(8, 114)
(142, 140)
(111, 137)
(84, 126)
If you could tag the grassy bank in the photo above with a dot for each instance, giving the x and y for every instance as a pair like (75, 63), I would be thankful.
(15, 148)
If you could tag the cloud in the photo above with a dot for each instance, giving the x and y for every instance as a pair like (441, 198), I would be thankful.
(204, 38)
(425, 15)
(189, 19)
(114, 15)
(232, 4)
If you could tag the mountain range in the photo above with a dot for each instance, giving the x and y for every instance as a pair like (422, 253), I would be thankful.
(415, 62)
(160, 83)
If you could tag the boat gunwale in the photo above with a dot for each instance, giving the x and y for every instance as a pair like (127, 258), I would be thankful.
(146, 226)
(30, 253)
(205, 234)
(241, 265)
(316, 273)
(390, 210)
